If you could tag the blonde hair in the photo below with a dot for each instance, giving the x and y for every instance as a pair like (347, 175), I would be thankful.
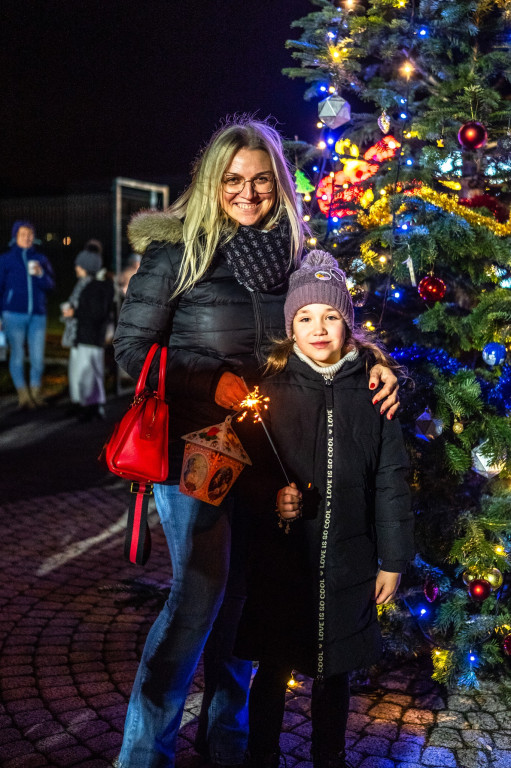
(205, 223)
(356, 339)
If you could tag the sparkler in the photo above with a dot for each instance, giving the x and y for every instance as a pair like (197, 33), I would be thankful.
(254, 402)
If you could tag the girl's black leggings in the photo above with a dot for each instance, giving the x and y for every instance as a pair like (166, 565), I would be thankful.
(329, 710)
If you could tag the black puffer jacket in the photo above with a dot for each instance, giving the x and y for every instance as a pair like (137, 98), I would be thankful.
(217, 326)
(311, 591)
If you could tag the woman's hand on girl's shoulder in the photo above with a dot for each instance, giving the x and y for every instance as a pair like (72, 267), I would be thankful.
(388, 394)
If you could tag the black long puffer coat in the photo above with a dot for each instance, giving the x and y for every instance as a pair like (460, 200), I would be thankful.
(311, 592)
(217, 326)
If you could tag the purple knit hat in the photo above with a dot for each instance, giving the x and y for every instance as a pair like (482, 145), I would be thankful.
(318, 281)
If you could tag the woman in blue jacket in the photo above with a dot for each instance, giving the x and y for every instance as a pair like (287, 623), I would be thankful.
(26, 277)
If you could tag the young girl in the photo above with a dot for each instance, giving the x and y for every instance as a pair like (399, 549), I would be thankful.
(342, 531)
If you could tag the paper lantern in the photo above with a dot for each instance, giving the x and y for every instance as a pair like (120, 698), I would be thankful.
(472, 135)
(213, 459)
(334, 111)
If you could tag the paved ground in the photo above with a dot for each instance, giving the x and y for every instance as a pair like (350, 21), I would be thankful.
(71, 630)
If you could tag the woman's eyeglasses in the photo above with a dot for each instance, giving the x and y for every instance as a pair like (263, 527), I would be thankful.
(262, 183)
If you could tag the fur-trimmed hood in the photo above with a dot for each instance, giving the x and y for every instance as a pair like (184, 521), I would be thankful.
(147, 226)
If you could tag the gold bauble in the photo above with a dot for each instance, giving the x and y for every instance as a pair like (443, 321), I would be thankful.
(457, 427)
(470, 574)
(494, 576)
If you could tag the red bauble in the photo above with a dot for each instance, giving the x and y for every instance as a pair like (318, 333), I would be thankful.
(431, 288)
(472, 135)
(431, 590)
(479, 590)
(506, 645)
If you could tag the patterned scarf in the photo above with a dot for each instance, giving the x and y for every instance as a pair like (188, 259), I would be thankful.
(259, 259)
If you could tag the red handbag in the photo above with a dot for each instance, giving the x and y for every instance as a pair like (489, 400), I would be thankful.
(138, 450)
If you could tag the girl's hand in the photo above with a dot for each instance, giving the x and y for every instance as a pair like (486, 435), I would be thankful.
(230, 391)
(289, 502)
(389, 393)
(387, 584)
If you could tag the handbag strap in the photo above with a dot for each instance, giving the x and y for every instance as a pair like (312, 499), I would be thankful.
(162, 374)
(141, 383)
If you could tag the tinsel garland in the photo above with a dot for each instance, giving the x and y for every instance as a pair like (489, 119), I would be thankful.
(497, 395)
(379, 213)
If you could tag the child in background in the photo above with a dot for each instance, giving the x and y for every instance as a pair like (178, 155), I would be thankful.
(86, 315)
(342, 532)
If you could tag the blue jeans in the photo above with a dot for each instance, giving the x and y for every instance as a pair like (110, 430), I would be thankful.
(206, 583)
(19, 329)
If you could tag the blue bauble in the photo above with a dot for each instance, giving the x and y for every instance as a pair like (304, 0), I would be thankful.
(494, 353)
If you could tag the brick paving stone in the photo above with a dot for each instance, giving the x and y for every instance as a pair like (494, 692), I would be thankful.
(26, 761)
(382, 728)
(377, 762)
(386, 711)
(472, 758)
(430, 701)
(72, 756)
(504, 719)
(490, 703)
(502, 740)
(445, 737)
(482, 720)
(14, 749)
(419, 716)
(501, 759)
(398, 698)
(478, 739)
(406, 750)
(439, 756)
(357, 722)
(461, 703)
(448, 719)
(299, 704)
(104, 741)
(9, 734)
(374, 746)
(360, 704)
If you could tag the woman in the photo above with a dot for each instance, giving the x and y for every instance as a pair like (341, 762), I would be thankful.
(211, 285)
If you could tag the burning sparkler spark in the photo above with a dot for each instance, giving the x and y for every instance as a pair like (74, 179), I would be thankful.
(253, 402)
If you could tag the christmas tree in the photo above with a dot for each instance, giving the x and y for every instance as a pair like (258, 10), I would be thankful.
(408, 186)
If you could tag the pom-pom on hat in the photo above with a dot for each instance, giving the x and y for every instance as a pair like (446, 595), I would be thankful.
(90, 261)
(318, 281)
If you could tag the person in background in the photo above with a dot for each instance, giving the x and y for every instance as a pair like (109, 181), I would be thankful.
(127, 273)
(26, 278)
(342, 531)
(86, 314)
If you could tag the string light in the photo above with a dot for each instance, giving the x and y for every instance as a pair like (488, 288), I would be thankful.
(407, 70)
(321, 145)
(319, 124)
(312, 241)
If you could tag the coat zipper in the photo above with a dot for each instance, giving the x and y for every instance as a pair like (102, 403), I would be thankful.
(256, 304)
(326, 526)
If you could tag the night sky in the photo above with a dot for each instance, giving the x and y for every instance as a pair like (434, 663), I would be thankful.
(93, 89)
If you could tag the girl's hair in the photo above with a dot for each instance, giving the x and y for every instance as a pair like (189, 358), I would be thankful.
(205, 223)
(355, 339)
